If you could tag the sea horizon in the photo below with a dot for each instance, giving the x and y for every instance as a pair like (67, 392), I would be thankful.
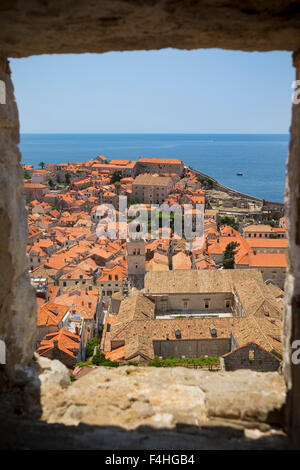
(260, 157)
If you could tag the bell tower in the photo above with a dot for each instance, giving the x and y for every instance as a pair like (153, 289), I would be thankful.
(136, 257)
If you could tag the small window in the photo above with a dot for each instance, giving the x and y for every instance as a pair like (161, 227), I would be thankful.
(251, 355)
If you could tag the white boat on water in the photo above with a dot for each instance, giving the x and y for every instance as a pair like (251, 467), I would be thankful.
(239, 173)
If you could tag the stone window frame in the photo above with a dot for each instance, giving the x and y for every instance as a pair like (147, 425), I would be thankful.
(17, 299)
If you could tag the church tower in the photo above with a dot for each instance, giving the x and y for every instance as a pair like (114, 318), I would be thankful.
(136, 257)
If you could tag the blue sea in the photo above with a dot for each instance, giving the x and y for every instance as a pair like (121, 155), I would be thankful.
(260, 157)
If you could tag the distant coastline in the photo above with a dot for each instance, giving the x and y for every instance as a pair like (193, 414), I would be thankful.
(261, 157)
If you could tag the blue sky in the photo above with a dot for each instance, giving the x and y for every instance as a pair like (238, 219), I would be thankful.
(167, 91)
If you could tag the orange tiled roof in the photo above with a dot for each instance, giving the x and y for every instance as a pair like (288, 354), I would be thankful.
(271, 260)
(51, 314)
(67, 342)
(160, 160)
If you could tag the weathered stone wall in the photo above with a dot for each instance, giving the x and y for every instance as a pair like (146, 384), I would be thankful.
(191, 347)
(291, 331)
(62, 26)
(159, 397)
(263, 361)
(17, 303)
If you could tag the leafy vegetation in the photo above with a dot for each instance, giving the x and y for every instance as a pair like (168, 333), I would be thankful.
(51, 183)
(186, 361)
(84, 364)
(100, 360)
(228, 257)
(67, 179)
(229, 221)
(90, 346)
(116, 176)
(117, 186)
(42, 165)
(26, 176)
(132, 202)
(207, 182)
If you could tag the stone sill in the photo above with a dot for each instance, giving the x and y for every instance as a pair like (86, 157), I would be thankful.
(146, 408)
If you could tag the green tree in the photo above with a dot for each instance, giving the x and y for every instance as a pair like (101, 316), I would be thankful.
(116, 176)
(42, 165)
(26, 175)
(132, 202)
(206, 182)
(229, 221)
(117, 185)
(67, 179)
(51, 183)
(100, 360)
(273, 223)
(90, 346)
(228, 257)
